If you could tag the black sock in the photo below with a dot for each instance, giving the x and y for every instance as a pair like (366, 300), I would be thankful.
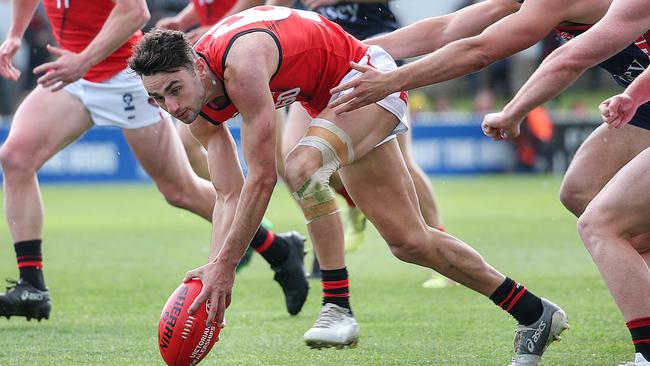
(522, 304)
(336, 287)
(640, 330)
(274, 249)
(30, 262)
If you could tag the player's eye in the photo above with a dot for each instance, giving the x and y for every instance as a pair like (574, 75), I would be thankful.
(159, 98)
(176, 90)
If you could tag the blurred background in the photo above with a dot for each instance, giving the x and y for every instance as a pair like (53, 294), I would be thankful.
(445, 117)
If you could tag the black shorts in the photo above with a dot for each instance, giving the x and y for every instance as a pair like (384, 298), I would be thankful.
(642, 117)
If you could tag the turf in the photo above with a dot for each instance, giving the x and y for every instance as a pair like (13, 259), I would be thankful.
(114, 254)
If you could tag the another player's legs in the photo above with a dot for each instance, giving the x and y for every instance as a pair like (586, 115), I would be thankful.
(159, 150)
(294, 129)
(196, 154)
(33, 139)
(620, 211)
(597, 160)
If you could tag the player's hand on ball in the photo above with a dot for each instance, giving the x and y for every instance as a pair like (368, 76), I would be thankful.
(217, 288)
(498, 127)
(371, 86)
(8, 50)
(618, 110)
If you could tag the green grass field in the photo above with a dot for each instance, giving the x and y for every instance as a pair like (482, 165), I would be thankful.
(113, 254)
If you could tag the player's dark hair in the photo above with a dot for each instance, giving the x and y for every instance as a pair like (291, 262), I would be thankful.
(161, 51)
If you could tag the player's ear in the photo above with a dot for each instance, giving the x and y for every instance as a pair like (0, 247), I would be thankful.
(201, 67)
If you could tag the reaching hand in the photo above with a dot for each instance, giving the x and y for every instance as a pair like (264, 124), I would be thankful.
(8, 50)
(618, 110)
(498, 127)
(371, 86)
(168, 23)
(217, 288)
(67, 68)
(313, 4)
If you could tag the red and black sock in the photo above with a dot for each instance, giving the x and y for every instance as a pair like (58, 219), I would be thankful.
(274, 249)
(640, 330)
(30, 262)
(344, 193)
(336, 287)
(522, 304)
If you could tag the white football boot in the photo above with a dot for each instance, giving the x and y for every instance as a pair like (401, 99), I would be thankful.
(639, 360)
(335, 327)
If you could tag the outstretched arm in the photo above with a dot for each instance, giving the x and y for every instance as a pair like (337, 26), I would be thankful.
(514, 33)
(623, 23)
(127, 17)
(431, 34)
(21, 14)
(251, 61)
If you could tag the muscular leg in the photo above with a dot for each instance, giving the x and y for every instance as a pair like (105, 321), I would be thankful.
(409, 238)
(597, 160)
(33, 139)
(196, 154)
(160, 151)
(404, 228)
(423, 188)
(620, 211)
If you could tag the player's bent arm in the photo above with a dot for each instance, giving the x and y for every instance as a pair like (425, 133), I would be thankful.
(251, 61)
(629, 19)
(639, 90)
(431, 34)
(502, 39)
(226, 176)
(127, 17)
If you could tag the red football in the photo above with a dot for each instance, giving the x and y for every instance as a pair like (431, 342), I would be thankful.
(184, 339)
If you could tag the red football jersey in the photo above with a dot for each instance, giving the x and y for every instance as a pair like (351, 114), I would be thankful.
(211, 11)
(315, 55)
(76, 23)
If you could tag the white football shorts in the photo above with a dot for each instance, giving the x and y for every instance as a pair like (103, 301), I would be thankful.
(120, 101)
(394, 103)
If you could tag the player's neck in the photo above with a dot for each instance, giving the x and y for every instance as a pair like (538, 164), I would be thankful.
(213, 87)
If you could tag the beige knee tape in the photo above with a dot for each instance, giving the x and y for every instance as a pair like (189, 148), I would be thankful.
(315, 196)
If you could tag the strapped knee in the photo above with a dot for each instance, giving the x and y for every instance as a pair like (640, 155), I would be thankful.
(314, 196)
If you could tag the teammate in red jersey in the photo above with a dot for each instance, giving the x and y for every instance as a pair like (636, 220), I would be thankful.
(90, 83)
(268, 57)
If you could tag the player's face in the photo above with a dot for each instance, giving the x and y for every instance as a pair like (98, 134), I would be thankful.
(180, 93)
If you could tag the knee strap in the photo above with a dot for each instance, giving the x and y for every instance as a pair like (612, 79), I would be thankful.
(315, 196)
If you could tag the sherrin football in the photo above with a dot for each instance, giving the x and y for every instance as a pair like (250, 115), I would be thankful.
(183, 339)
